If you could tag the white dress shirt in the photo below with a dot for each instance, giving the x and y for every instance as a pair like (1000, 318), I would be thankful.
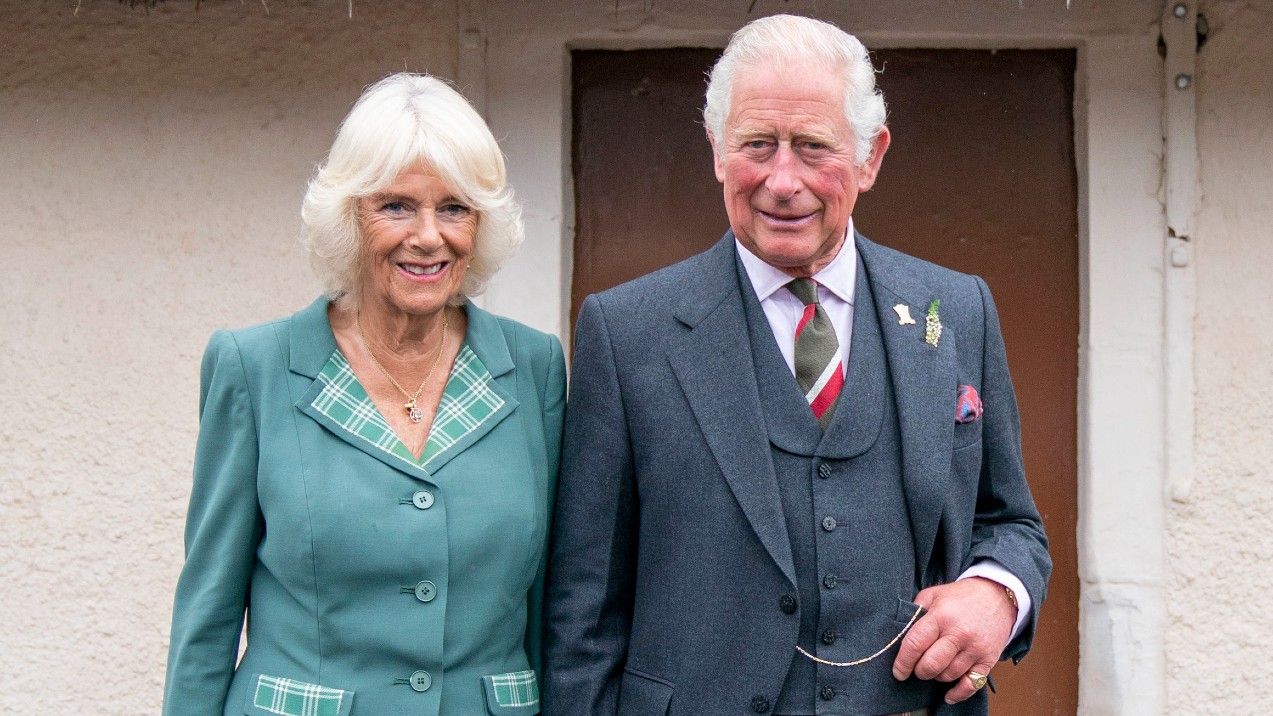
(837, 282)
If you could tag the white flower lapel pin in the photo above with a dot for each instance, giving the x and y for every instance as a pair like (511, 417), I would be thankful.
(904, 315)
(932, 324)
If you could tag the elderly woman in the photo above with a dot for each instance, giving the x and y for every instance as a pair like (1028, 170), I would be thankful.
(373, 474)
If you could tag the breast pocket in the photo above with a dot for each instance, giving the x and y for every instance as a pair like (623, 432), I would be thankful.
(967, 434)
(641, 694)
(289, 697)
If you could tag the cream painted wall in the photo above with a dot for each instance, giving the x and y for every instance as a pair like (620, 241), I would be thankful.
(1220, 539)
(151, 170)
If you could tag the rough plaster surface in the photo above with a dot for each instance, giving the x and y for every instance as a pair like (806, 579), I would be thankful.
(151, 170)
(1219, 541)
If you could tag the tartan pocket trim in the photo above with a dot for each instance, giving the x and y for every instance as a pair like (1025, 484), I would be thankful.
(288, 697)
(516, 692)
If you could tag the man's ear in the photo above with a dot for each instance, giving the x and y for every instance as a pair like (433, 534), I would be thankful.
(870, 169)
(716, 158)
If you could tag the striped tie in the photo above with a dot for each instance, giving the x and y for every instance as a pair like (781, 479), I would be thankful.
(819, 366)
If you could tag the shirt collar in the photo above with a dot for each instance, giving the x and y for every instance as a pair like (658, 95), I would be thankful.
(839, 277)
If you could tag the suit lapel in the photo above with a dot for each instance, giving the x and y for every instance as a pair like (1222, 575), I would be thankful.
(712, 360)
(924, 380)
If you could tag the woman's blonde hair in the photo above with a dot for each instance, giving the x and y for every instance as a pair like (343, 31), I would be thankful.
(402, 121)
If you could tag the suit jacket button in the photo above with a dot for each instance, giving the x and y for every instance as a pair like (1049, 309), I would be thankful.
(828, 524)
(827, 693)
(824, 471)
(760, 704)
(422, 499)
(787, 604)
(830, 581)
(829, 637)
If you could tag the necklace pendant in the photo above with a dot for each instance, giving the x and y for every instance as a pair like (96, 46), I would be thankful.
(414, 413)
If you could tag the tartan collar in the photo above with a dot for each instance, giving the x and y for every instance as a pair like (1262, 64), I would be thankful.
(311, 342)
(312, 347)
(468, 402)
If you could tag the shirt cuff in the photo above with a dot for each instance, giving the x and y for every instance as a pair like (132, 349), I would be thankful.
(995, 572)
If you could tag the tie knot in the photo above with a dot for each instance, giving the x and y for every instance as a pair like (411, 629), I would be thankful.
(805, 289)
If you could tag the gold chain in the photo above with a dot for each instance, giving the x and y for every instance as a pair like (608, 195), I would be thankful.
(857, 662)
(410, 405)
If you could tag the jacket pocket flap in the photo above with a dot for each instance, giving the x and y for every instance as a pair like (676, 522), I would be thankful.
(644, 694)
(288, 697)
(516, 693)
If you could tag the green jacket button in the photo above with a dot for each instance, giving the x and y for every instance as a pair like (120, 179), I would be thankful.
(422, 499)
(426, 591)
(421, 681)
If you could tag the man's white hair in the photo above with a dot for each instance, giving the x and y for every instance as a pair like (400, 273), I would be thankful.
(403, 121)
(790, 38)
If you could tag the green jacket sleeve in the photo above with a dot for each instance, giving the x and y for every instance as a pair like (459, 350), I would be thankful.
(223, 527)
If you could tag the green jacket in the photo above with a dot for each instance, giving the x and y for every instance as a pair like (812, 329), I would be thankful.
(373, 583)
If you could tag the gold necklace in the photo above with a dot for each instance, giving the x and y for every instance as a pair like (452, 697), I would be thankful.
(413, 411)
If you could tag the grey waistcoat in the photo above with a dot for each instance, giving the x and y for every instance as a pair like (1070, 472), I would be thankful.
(846, 516)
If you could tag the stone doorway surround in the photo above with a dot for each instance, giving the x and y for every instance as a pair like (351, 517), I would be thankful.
(514, 62)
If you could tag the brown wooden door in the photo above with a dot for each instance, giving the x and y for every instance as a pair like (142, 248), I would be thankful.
(980, 177)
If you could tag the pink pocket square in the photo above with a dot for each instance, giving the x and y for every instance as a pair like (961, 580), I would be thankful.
(968, 408)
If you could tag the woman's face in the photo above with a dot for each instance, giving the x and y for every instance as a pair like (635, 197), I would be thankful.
(417, 242)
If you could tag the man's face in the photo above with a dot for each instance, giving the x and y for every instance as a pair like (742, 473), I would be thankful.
(787, 165)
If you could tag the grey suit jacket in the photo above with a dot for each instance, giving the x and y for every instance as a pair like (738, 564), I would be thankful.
(670, 553)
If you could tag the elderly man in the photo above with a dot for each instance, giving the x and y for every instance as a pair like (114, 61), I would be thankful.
(792, 480)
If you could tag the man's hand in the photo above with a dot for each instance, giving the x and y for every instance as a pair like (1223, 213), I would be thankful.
(966, 628)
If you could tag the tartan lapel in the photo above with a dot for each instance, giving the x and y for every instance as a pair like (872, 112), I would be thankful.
(924, 386)
(471, 405)
(489, 384)
(468, 404)
(473, 401)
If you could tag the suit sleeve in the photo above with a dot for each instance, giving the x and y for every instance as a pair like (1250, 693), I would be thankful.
(223, 527)
(592, 565)
(1006, 526)
(554, 408)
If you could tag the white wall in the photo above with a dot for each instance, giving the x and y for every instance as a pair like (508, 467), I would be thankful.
(151, 170)
(1220, 539)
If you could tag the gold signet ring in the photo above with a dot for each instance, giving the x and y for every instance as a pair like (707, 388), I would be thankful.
(978, 680)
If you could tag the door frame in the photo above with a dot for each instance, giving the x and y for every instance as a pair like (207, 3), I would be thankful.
(520, 68)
